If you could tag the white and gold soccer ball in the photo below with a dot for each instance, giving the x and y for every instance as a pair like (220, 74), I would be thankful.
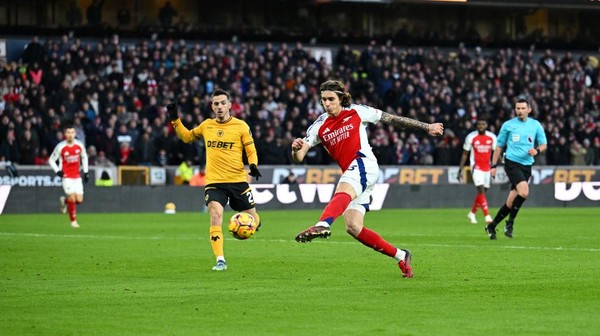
(242, 225)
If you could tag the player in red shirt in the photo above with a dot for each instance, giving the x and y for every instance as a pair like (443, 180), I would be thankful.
(480, 144)
(342, 130)
(70, 154)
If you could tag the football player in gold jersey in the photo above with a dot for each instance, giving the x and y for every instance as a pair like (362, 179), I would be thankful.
(226, 138)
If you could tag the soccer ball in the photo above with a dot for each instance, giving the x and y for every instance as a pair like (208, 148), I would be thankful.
(242, 225)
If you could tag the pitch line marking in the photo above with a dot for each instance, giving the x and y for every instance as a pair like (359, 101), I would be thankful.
(491, 245)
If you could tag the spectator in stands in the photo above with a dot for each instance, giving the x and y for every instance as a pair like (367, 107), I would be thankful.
(103, 161)
(596, 148)
(199, 179)
(42, 158)
(9, 148)
(34, 52)
(185, 172)
(28, 149)
(590, 155)
(144, 150)
(578, 154)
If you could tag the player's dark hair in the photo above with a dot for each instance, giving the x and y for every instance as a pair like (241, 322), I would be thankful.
(338, 88)
(67, 126)
(221, 92)
(524, 100)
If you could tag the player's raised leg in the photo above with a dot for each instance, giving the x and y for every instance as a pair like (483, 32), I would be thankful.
(338, 204)
(344, 194)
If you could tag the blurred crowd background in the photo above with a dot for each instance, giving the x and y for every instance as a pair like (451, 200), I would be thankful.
(111, 78)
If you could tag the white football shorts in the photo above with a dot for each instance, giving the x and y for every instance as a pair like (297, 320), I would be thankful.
(362, 174)
(481, 178)
(72, 186)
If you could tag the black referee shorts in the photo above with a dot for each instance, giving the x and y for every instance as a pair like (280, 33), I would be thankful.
(516, 172)
(238, 194)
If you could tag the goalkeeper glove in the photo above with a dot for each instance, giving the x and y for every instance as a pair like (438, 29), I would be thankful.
(254, 171)
(60, 173)
(86, 177)
(172, 110)
(459, 175)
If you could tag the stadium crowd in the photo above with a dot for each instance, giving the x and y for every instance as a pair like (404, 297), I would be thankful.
(113, 93)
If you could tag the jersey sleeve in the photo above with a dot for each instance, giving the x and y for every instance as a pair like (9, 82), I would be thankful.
(368, 113)
(502, 136)
(55, 156)
(184, 134)
(540, 135)
(312, 134)
(249, 147)
(468, 141)
(84, 157)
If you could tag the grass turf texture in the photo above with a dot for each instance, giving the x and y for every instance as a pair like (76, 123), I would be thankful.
(134, 274)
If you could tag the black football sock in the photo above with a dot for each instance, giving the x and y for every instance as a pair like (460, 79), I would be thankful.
(517, 203)
(502, 213)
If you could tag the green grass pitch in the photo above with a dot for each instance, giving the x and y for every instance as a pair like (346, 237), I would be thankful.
(150, 274)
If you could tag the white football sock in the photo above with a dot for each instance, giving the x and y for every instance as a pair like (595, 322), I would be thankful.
(400, 255)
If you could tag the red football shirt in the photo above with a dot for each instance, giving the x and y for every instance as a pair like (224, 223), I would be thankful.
(481, 148)
(70, 157)
(344, 136)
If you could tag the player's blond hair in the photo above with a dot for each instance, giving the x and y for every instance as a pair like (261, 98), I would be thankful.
(337, 87)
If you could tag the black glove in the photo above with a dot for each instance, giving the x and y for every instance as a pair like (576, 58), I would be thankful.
(254, 171)
(459, 175)
(172, 109)
(86, 177)
(60, 173)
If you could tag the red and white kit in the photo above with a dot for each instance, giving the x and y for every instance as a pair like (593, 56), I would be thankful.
(70, 157)
(345, 138)
(481, 148)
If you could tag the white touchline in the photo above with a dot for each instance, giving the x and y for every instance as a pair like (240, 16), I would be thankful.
(490, 246)
(4, 192)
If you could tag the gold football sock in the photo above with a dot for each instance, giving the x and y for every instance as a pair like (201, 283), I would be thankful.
(216, 240)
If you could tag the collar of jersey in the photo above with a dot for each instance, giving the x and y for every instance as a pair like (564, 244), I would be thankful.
(224, 122)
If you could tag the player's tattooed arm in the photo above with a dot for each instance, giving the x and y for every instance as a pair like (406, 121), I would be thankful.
(403, 122)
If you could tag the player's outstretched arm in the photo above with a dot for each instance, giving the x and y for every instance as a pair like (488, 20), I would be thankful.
(299, 150)
(183, 133)
(398, 121)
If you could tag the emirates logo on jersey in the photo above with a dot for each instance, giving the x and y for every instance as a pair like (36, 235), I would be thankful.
(338, 134)
(71, 158)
